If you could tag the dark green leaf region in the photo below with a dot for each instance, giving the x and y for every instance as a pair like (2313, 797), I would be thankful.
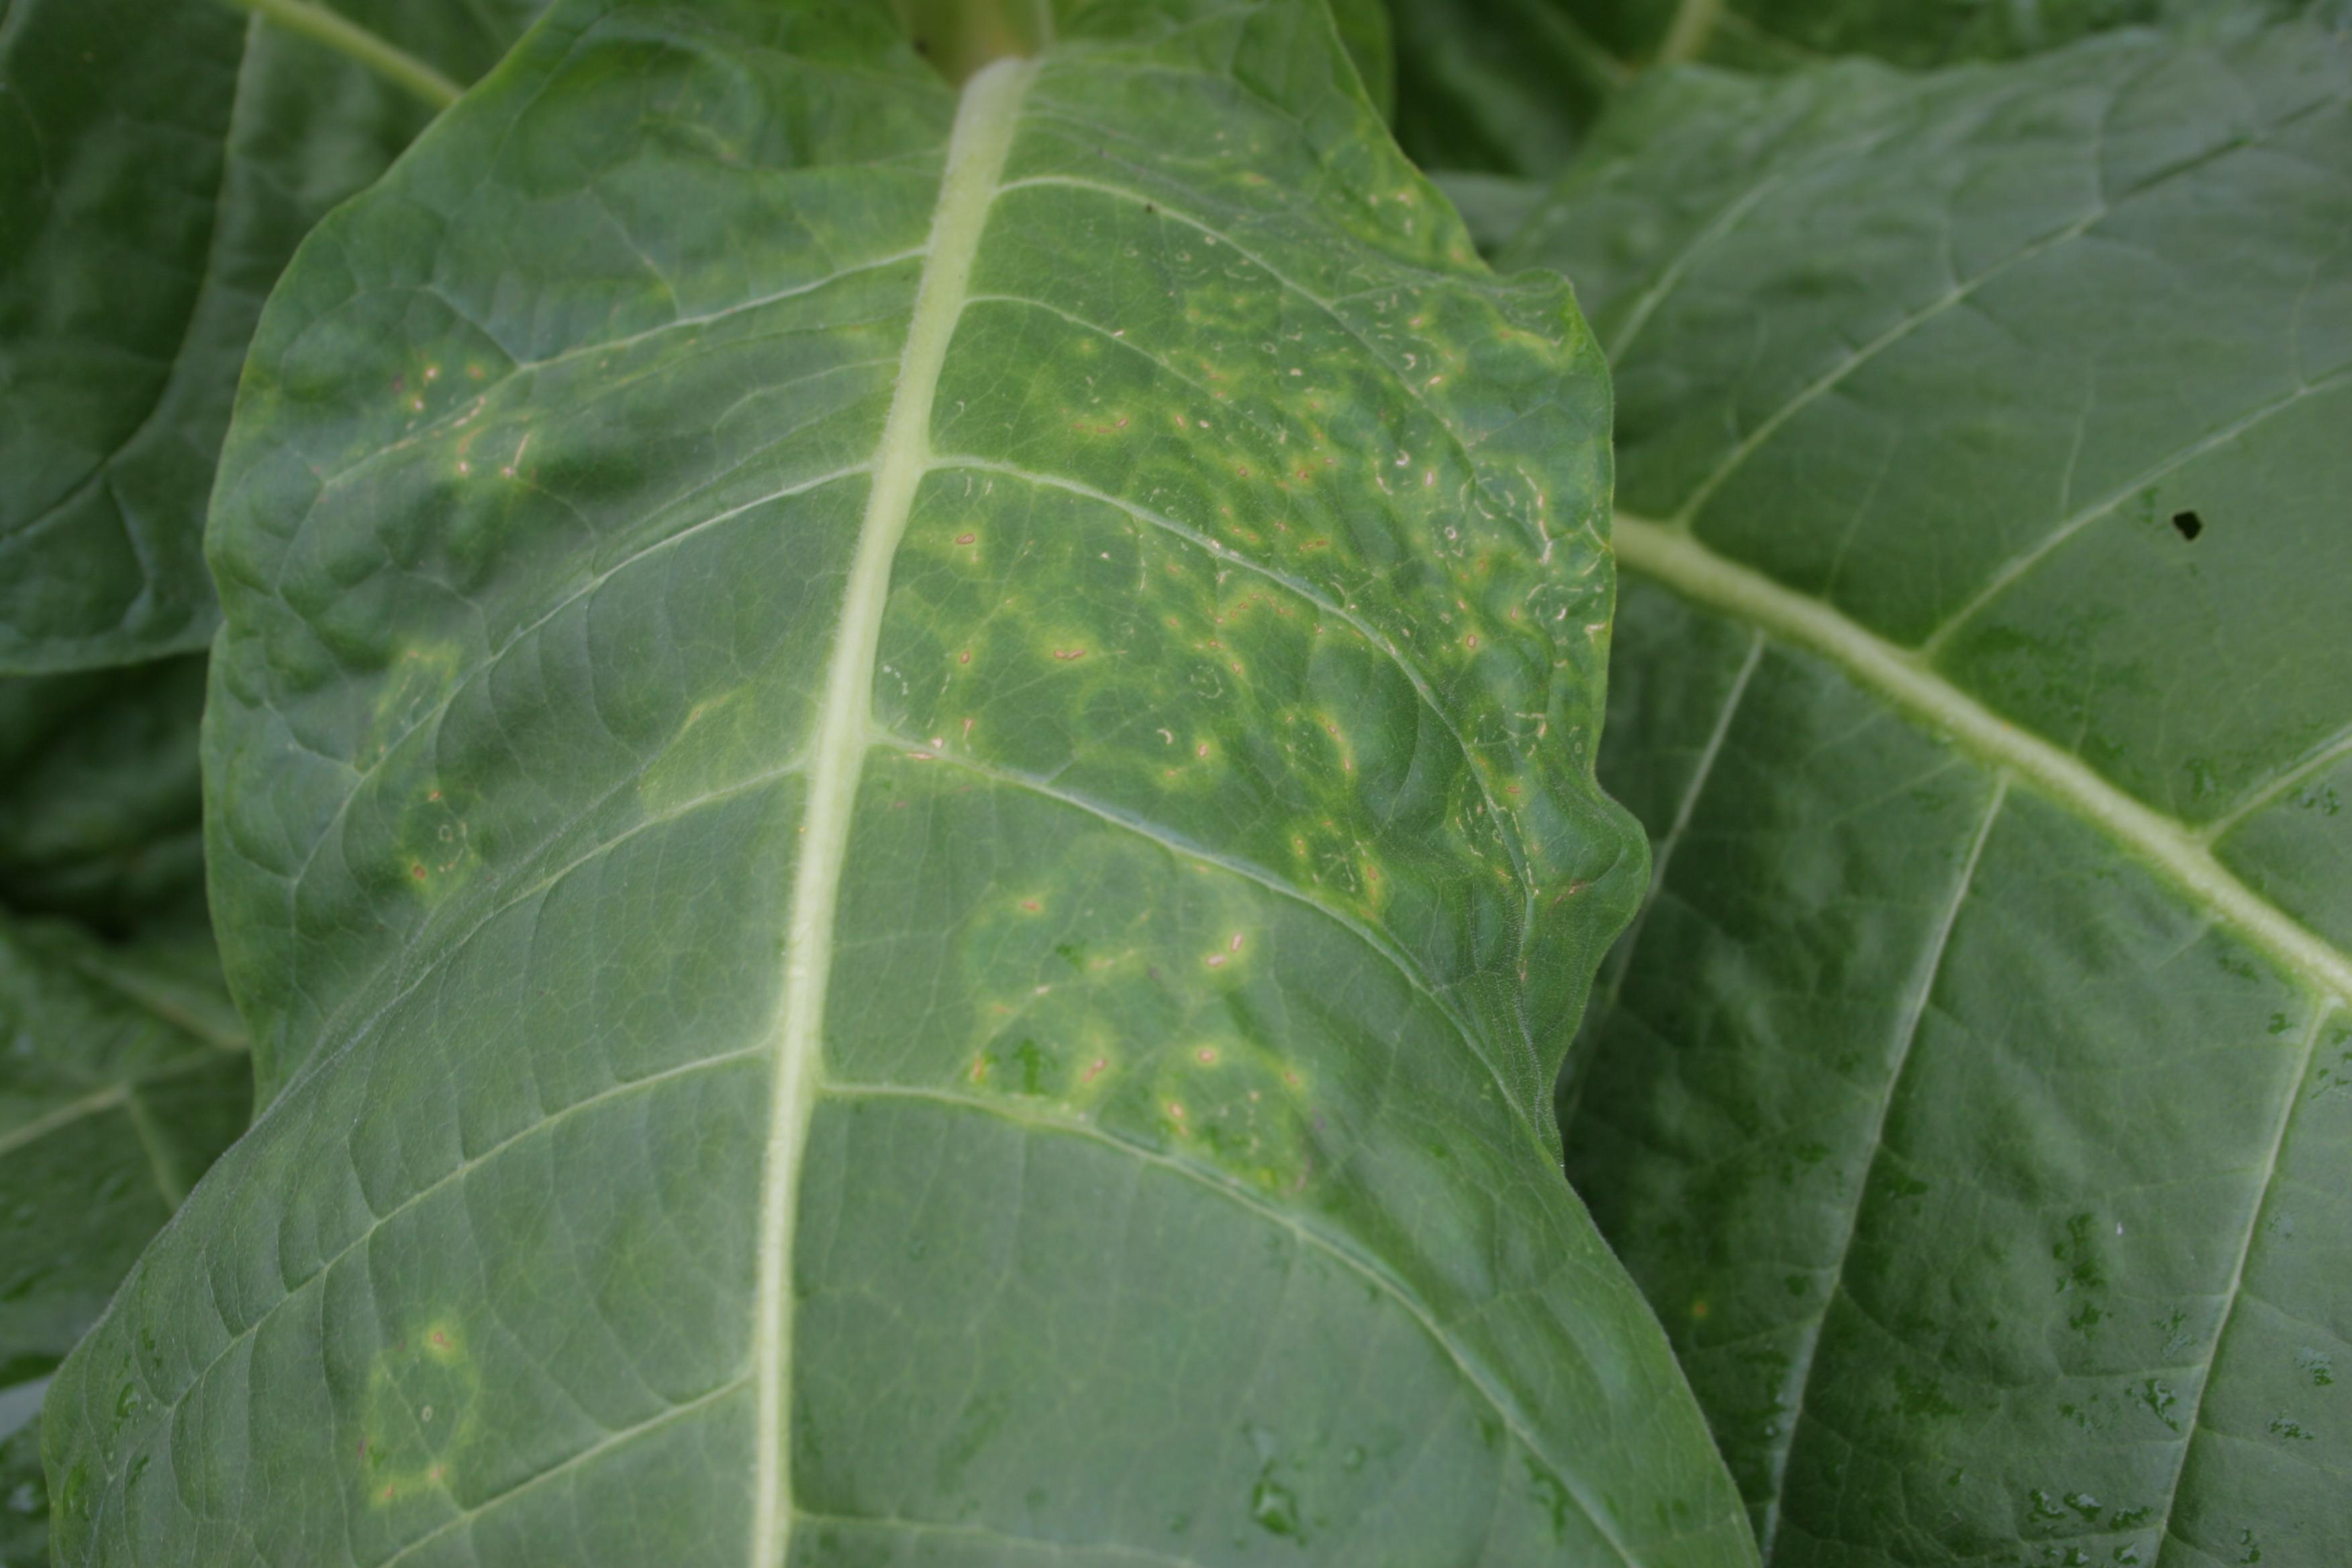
(123, 1074)
(158, 161)
(1974, 1095)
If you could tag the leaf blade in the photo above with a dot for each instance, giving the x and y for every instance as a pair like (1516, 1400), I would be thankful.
(167, 158)
(125, 1076)
(1768, 1143)
(1177, 1216)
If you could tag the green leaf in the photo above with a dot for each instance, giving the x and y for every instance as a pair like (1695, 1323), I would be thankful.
(1973, 1096)
(1365, 33)
(24, 1491)
(1506, 86)
(158, 161)
(1512, 86)
(1494, 207)
(100, 804)
(123, 1074)
(912, 868)
(1780, 34)
(122, 1071)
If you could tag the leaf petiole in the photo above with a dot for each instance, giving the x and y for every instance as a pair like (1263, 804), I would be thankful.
(347, 37)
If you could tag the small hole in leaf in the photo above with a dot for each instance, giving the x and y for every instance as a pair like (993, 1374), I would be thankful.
(2188, 524)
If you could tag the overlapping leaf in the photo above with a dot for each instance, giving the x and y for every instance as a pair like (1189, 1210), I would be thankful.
(122, 1068)
(1974, 1094)
(123, 1074)
(158, 160)
(900, 783)
(100, 805)
(1512, 86)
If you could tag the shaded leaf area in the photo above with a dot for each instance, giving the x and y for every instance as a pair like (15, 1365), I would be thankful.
(1919, 33)
(100, 808)
(158, 163)
(1506, 86)
(1973, 1095)
(959, 36)
(121, 1066)
(1512, 86)
(1494, 207)
(1370, 39)
(24, 1491)
(912, 870)
(123, 1075)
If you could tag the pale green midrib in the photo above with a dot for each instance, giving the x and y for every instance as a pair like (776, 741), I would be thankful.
(2175, 850)
(353, 42)
(845, 730)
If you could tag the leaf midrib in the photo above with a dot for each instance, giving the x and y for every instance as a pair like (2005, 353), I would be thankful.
(1914, 687)
(2175, 850)
(976, 150)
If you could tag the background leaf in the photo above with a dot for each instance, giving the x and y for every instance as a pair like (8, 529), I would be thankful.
(123, 1075)
(912, 868)
(160, 160)
(1365, 33)
(1506, 86)
(1512, 86)
(121, 1064)
(100, 807)
(1971, 1096)
(1779, 34)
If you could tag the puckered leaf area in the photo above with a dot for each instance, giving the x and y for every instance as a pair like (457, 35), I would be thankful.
(900, 783)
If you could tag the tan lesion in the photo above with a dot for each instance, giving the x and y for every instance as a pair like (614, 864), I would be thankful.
(414, 688)
(423, 1394)
(435, 841)
(1126, 1020)
(1239, 1106)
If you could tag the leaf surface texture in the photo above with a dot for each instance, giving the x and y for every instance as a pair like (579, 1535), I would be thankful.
(910, 838)
(123, 1074)
(99, 804)
(1513, 85)
(158, 161)
(1971, 1095)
